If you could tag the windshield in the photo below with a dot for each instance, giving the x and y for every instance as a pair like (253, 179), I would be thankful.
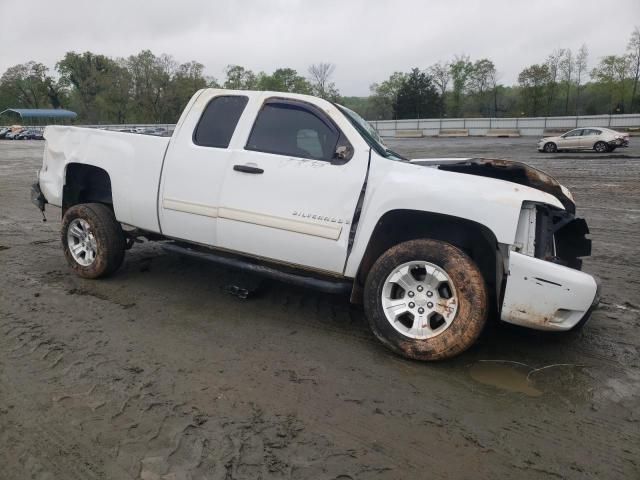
(369, 134)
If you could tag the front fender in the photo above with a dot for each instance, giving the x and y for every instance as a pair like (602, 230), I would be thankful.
(490, 202)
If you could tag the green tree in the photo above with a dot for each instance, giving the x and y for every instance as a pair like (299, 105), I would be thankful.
(440, 73)
(612, 73)
(284, 80)
(553, 67)
(417, 97)
(567, 70)
(633, 54)
(461, 69)
(482, 78)
(239, 78)
(152, 86)
(28, 85)
(384, 96)
(114, 102)
(534, 82)
(188, 78)
(88, 74)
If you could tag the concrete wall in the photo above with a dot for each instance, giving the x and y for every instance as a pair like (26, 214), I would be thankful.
(533, 126)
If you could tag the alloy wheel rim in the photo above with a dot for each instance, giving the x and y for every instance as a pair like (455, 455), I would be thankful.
(82, 242)
(419, 300)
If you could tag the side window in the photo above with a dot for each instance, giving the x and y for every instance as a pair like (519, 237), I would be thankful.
(574, 133)
(219, 120)
(309, 141)
(296, 129)
(593, 132)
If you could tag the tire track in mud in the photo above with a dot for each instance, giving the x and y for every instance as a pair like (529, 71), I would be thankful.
(186, 441)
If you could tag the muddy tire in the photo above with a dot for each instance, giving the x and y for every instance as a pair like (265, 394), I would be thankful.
(601, 147)
(442, 289)
(550, 147)
(92, 240)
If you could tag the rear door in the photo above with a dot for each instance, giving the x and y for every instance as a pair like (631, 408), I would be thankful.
(286, 195)
(195, 165)
(589, 138)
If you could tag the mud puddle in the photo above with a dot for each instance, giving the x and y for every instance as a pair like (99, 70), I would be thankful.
(570, 381)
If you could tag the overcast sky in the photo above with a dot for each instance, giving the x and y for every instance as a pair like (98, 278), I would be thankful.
(367, 40)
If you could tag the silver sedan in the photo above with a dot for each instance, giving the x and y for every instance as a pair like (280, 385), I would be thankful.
(600, 139)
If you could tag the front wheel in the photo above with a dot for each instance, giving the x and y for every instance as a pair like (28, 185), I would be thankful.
(93, 240)
(550, 147)
(601, 147)
(426, 300)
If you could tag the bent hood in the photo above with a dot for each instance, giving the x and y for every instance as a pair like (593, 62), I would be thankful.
(507, 170)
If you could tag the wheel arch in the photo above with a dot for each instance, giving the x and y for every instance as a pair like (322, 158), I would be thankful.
(600, 141)
(473, 238)
(85, 183)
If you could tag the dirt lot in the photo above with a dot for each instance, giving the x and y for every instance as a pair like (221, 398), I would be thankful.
(157, 373)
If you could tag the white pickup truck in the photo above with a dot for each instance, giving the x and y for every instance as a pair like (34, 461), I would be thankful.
(303, 190)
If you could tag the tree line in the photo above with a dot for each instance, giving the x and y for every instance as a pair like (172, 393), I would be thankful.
(562, 84)
(143, 88)
(147, 88)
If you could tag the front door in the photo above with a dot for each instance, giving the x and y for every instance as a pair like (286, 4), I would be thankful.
(286, 196)
(571, 140)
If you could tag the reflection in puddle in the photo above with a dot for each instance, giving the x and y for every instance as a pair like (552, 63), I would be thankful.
(510, 377)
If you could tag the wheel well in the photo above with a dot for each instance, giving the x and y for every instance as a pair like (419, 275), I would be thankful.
(86, 184)
(399, 226)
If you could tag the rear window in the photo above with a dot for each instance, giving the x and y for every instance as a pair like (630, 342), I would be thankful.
(219, 120)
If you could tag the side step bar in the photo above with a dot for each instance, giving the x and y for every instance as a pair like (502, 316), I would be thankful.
(330, 286)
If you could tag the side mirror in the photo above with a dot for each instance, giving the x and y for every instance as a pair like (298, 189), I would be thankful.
(342, 154)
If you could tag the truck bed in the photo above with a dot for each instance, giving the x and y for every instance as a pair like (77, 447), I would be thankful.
(134, 163)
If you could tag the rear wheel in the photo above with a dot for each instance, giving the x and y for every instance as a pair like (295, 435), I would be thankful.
(426, 300)
(93, 240)
(601, 147)
(550, 147)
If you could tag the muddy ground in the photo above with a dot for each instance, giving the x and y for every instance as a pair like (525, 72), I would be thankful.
(157, 373)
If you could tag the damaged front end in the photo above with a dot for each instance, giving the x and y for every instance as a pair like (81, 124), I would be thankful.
(545, 288)
(552, 235)
(508, 170)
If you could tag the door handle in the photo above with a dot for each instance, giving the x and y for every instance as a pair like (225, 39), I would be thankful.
(247, 169)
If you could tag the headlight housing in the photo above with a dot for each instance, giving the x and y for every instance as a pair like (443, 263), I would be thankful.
(552, 234)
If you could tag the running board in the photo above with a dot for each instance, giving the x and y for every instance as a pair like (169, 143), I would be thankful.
(330, 286)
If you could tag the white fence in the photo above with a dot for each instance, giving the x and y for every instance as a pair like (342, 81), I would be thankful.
(525, 125)
(533, 126)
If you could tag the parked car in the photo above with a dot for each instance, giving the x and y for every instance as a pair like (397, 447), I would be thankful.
(157, 131)
(14, 133)
(29, 135)
(302, 190)
(600, 139)
(4, 131)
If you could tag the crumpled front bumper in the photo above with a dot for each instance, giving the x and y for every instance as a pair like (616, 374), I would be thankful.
(547, 296)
